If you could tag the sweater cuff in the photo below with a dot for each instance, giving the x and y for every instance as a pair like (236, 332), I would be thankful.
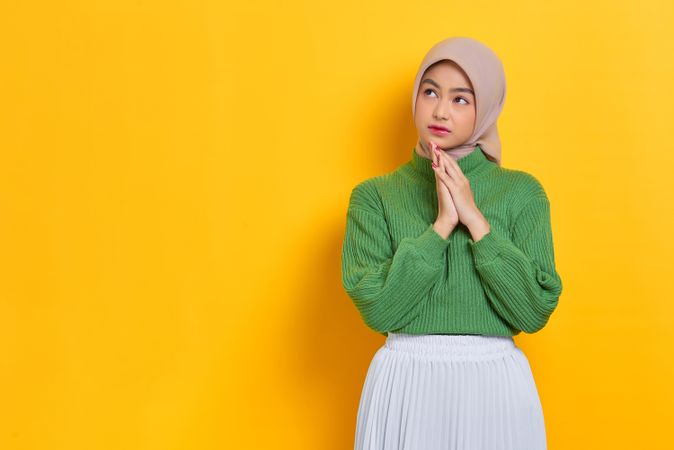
(431, 245)
(487, 248)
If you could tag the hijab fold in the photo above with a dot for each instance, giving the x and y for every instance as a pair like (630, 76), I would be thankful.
(485, 71)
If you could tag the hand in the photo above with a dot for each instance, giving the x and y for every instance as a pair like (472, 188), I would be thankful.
(451, 176)
(447, 213)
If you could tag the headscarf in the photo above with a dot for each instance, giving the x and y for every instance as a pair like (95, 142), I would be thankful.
(485, 71)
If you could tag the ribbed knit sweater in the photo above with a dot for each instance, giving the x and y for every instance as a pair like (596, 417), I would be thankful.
(404, 277)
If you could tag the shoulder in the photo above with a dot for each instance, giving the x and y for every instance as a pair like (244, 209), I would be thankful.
(365, 194)
(525, 190)
(371, 193)
(524, 186)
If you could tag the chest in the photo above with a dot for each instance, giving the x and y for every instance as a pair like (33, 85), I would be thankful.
(409, 212)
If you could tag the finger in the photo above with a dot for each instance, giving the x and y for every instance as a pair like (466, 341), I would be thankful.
(450, 166)
(453, 167)
(431, 144)
(444, 177)
(442, 159)
(436, 152)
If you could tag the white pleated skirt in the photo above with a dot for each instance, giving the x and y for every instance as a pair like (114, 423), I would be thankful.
(449, 392)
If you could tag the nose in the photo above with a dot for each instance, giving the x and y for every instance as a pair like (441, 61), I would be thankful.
(441, 110)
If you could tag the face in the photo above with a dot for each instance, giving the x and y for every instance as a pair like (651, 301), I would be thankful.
(445, 99)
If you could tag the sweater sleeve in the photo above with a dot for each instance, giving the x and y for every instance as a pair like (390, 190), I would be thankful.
(388, 288)
(519, 275)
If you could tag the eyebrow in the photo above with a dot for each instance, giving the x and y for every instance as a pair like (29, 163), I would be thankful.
(459, 89)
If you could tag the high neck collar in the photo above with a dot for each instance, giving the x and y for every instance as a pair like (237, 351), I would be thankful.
(472, 164)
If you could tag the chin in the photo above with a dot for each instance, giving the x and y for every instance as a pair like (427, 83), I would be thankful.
(442, 142)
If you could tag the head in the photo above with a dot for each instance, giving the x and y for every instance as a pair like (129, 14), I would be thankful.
(460, 85)
(446, 99)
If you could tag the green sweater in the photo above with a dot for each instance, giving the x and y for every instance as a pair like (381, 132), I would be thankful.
(404, 277)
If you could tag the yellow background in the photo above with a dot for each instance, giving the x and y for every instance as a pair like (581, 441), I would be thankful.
(174, 177)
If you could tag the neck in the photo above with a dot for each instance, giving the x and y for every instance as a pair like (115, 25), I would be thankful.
(472, 161)
(456, 153)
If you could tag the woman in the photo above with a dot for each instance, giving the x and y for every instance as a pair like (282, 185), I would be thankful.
(450, 256)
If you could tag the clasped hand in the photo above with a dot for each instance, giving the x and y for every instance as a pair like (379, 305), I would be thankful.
(460, 201)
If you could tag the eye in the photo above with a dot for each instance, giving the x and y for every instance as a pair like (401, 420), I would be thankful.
(461, 98)
(429, 90)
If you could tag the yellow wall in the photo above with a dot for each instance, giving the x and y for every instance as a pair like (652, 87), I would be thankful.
(173, 185)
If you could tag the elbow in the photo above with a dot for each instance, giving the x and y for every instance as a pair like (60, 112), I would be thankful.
(375, 324)
(374, 315)
(378, 315)
(545, 302)
(540, 315)
(531, 327)
(370, 310)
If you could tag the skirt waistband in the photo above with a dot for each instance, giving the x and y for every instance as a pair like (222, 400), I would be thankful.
(451, 346)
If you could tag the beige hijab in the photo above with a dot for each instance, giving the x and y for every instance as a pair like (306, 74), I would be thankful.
(485, 71)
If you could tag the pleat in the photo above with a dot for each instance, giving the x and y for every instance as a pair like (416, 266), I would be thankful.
(435, 392)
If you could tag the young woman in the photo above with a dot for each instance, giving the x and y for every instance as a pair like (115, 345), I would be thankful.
(450, 256)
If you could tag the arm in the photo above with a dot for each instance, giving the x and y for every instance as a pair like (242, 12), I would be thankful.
(389, 289)
(519, 276)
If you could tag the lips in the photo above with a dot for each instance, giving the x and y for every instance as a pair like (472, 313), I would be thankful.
(438, 127)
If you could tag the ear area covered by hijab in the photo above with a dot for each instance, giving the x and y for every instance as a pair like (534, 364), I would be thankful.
(485, 71)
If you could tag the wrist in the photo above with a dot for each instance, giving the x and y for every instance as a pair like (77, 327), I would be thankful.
(443, 227)
(445, 222)
(478, 229)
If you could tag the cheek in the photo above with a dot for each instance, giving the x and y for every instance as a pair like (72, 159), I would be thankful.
(466, 123)
(421, 111)
(420, 105)
(468, 117)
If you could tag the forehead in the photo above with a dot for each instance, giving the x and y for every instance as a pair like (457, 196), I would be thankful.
(446, 69)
